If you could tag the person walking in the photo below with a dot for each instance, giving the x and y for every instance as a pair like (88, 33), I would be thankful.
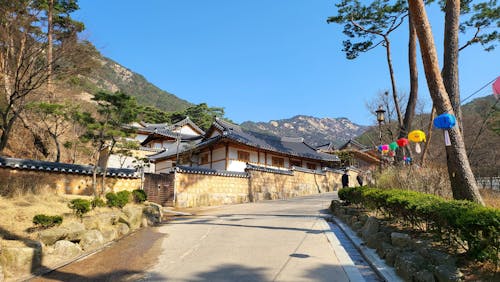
(359, 178)
(345, 179)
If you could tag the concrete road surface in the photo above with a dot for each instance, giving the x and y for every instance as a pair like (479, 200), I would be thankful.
(284, 240)
(268, 241)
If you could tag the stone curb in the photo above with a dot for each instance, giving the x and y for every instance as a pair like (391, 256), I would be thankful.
(378, 265)
(52, 268)
(347, 264)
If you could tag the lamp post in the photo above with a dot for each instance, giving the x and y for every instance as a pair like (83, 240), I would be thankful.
(380, 118)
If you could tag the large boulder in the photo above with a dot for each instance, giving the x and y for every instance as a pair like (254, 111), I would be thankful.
(376, 240)
(102, 221)
(109, 234)
(407, 264)
(64, 249)
(153, 213)
(52, 235)
(74, 230)
(400, 240)
(371, 227)
(133, 217)
(91, 240)
(122, 229)
(19, 257)
(447, 273)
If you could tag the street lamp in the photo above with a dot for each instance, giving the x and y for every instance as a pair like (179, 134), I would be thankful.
(380, 118)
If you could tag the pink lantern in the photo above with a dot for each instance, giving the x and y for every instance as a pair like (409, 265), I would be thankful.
(496, 88)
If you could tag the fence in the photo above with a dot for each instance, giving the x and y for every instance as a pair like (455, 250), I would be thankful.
(492, 183)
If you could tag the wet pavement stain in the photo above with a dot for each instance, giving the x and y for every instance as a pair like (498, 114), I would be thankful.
(126, 260)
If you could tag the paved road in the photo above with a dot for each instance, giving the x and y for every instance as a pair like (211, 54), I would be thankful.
(281, 240)
(267, 241)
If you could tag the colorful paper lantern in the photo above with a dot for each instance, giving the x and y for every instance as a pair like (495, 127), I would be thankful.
(496, 88)
(392, 153)
(445, 121)
(385, 147)
(402, 142)
(417, 136)
(393, 146)
(407, 160)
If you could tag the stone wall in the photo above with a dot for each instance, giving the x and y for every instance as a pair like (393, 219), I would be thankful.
(194, 190)
(19, 181)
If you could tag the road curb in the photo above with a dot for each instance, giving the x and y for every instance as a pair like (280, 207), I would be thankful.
(378, 265)
(348, 265)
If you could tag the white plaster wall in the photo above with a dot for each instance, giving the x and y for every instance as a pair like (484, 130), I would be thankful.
(141, 137)
(163, 166)
(188, 130)
(219, 165)
(235, 165)
(215, 133)
(219, 154)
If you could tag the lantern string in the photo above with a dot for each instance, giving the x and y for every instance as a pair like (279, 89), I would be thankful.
(477, 91)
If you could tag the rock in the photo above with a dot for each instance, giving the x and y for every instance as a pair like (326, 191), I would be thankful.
(375, 241)
(109, 234)
(371, 227)
(408, 264)
(144, 222)
(384, 248)
(390, 256)
(16, 257)
(91, 239)
(357, 226)
(102, 220)
(424, 276)
(122, 229)
(52, 235)
(2, 277)
(153, 213)
(400, 240)
(133, 217)
(74, 230)
(447, 273)
(437, 257)
(65, 249)
(363, 218)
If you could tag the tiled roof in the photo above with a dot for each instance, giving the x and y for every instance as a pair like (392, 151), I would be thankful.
(61, 167)
(353, 143)
(267, 169)
(289, 146)
(207, 171)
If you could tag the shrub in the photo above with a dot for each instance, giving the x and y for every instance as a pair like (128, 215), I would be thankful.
(46, 221)
(474, 227)
(119, 199)
(97, 203)
(139, 195)
(80, 207)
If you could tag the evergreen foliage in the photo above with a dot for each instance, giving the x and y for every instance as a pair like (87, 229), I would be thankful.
(47, 221)
(80, 207)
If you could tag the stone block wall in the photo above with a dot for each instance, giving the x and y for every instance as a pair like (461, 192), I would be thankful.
(62, 183)
(194, 190)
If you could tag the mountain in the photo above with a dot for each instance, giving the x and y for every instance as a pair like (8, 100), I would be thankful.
(316, 131)
(110, 76)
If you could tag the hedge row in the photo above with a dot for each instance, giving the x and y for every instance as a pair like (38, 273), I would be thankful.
(473, 226)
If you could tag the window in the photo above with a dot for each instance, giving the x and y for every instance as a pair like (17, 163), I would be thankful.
(278, 162)
(295, 163)
(204, 158)
(311, 166)
(243, 156)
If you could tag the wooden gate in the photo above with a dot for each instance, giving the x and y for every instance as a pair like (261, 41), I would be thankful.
(160, 188)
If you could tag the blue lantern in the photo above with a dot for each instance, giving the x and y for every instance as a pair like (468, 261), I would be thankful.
(445, 121)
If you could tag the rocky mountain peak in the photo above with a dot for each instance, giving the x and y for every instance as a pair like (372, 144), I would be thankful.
(315, 131)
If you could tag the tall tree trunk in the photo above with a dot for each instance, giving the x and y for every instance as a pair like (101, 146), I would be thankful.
(429, 136)
(50, 31)
(413, 97)
(58, 146)
(450, 58)
(393, 81)
(458, 166)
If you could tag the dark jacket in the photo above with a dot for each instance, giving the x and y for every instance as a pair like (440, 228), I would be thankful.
(345, 180)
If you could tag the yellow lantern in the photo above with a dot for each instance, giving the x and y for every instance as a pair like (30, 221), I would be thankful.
(417, 136)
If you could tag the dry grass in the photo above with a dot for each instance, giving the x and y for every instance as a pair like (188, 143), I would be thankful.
(431, 180)
(491, 198)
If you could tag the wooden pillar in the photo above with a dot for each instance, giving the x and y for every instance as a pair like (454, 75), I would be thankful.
(227, 155)
(211, 155)
(265, 159)
(258, 157)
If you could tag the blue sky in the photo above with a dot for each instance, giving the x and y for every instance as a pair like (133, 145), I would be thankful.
(260, 59)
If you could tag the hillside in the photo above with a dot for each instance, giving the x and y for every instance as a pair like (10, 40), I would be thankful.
(111, 76)
(316, 131)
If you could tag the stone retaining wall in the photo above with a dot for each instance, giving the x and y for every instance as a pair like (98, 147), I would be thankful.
(61, 182)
